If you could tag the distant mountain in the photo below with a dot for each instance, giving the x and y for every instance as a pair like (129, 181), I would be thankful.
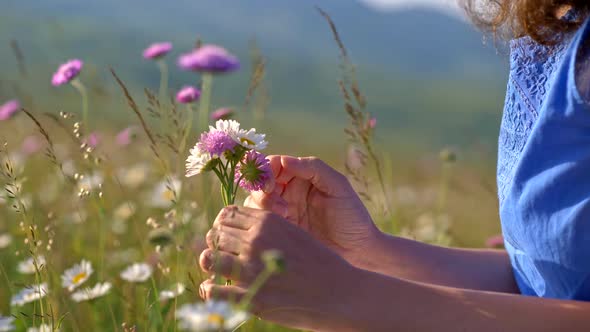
(421, 70)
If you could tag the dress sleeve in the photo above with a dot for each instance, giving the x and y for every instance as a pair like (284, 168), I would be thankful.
(547, 210)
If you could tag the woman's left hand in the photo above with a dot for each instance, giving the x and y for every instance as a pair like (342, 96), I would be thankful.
(310, 293)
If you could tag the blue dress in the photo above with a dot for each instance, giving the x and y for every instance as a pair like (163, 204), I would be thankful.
(544, 167)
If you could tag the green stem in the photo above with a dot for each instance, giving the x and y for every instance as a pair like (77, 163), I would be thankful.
(444, 187)
(187, 129)
(83, 92)
(204, 105)
(163, 79)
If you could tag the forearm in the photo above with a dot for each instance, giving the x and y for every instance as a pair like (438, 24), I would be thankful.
(487, 270)
(389, 304)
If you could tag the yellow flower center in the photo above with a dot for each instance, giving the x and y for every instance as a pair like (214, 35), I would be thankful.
(216, 319)
(79, 277)
(168, 195)
(247, 141)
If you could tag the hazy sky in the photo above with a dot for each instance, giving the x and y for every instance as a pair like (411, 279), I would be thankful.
(445, 5)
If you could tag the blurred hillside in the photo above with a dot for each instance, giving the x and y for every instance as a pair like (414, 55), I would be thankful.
(428, 77)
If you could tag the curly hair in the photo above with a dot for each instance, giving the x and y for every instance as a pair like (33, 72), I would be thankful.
(539, 19)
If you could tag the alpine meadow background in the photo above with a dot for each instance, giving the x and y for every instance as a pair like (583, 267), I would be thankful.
(434, 87)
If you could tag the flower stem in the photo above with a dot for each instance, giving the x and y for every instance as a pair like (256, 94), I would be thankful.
(256, 285)
(83, 92)
(204, 105)
(163, 79)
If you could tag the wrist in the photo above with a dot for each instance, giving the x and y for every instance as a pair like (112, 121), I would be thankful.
(368, 256)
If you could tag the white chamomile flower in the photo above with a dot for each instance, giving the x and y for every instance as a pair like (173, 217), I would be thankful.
(165, 193)
(210, 316)
(91, 293)
(28, 265)
(6, 324)
(42, 328)
(29, 294)
(5, 240)
(77, 275)
(178, 290)
(251, 140)
(230, 127)
(197, 162)
(134, 176)
(138, 272)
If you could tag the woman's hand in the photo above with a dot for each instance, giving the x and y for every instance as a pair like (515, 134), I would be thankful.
(321, 201)
(311, 292)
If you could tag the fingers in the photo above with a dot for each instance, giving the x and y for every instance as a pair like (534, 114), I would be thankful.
(322, 176)
(227, 265)
(271, 202)
(242, 218)
(209, 290)
(226, 239)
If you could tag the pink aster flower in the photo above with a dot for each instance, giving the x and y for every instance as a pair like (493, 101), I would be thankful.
(31, 144)
(157, 50)
(126, 136)
(8, 109)
(67, 72)
(216, 143)
(93, 140)
(372, 123)
(254, 171)
(222, 114)
(187, 95)
(209, 58)
(496, 241)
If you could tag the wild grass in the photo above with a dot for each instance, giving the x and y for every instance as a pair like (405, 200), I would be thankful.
(65, 200)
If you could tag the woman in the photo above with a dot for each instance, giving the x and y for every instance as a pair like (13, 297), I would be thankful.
(343, 274)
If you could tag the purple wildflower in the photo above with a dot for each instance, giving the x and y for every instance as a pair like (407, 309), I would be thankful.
(216, 143)
(254, 171)
(209, 58)
(496, 241)
(188, 94)
(372, 123)
(67, 72)
(157, 50)
(8, 109)
(31, 144)
(222, 114)
(93, 140)
(125, 137)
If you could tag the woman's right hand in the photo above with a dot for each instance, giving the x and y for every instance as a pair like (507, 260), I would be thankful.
(321, 201)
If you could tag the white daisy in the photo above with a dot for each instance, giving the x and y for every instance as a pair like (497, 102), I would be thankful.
(77, 275)
(178, 290)
(5, 240)
(134, 176)
(138, 272)
(164, 194)
(211, 316)
(91, 293)
(6, 324)
(28, 265)
(231, 127)
(29, 294)
(197, 162)
(251, 140)
(42, 328)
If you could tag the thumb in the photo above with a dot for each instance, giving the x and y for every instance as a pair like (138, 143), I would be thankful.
(322, 177)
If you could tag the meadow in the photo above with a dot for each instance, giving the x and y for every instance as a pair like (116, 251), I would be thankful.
(111, 199)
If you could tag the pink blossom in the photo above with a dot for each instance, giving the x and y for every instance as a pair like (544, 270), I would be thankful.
(8, 109)
(496, 241)
(222, 114)
(67, 72)
(187, 95)
(93, 140)
(31, 144)
(253, 172)
(209, 58)
(126, 136)
(157, 50)
(216, 143)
